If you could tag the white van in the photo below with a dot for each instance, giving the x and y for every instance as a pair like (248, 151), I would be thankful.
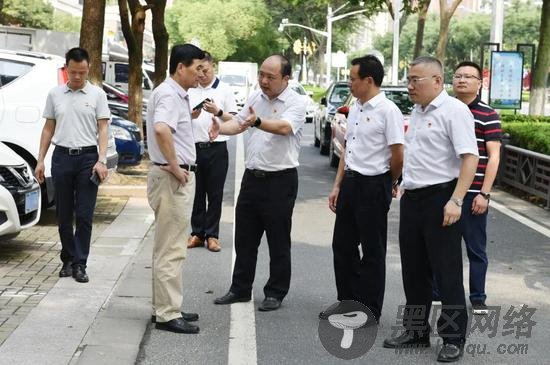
(116, 73)
(25, 80)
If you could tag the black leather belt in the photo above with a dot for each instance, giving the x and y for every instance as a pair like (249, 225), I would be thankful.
(76, 151)
(202, 145)
(262, 173)
(429, 190)
(183, 166)
(353, 173)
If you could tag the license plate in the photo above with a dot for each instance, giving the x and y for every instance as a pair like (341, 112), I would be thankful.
(31, 201)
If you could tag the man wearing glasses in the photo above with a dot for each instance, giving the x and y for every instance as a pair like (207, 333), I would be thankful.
(466, 84)
(440, 162)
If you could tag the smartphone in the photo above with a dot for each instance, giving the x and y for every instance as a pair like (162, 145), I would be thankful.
(95, 179)
(199, 105)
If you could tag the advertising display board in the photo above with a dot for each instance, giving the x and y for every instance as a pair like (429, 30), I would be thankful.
(506, 80)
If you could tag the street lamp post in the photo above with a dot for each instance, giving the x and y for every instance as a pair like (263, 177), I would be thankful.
(328, 34)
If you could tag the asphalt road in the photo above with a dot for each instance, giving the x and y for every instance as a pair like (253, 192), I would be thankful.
(519, 274)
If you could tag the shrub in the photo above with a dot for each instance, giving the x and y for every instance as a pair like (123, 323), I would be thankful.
(533, 136)
(524, 118)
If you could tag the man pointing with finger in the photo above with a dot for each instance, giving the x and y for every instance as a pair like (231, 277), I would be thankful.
(274, 118)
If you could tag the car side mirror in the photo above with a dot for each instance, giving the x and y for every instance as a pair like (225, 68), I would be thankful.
(343, 110)
(324, 101)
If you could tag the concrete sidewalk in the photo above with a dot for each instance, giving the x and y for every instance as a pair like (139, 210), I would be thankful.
(104, 321)
(77, 323)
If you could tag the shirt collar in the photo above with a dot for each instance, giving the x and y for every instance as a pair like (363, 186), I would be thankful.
(215, 82)
(435, 103)
(177, 87)
(85, 89)
(374, 101)
(474, 102)
(285, 94)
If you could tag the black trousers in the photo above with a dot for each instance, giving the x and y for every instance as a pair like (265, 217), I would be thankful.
(430, 251)
(212, 163)
(362, 219)
(265, 204)
(75, 198)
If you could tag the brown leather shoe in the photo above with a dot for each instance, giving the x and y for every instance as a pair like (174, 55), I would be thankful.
(213, 244)
(195, 241)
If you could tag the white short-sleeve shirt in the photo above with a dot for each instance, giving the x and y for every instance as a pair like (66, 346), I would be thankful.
(268, 151)
(434, 141)
(224, 98)
(76, 113)
(372, 128)
(169, 103)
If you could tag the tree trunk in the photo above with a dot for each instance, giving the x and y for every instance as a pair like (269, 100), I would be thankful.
(91, 36)
(133, 34)
(420, 26)
(161, 40)
(446, 13)
(537, 97)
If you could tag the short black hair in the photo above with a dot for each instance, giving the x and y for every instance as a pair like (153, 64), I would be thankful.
(370, 66)
(286, 67)
(208, 57)
(185, 54)
(470, 64)
(77, 54)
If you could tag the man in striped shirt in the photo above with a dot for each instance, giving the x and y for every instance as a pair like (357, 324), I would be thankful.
(466, 84)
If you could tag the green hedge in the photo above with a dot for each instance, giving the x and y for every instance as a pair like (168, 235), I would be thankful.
(533, 136)
(524, 118)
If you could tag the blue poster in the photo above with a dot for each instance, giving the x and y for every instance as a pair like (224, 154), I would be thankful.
(506, 80)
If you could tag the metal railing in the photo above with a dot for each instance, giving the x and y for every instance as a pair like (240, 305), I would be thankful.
(525, 170)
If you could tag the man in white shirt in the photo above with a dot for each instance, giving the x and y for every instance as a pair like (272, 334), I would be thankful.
(212, 157)
(362, 191)
(171, 185)
(440, 162)
(274, 117)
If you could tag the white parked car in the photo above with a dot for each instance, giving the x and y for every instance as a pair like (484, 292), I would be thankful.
(20, 202)
(25, 80)
(311, 106)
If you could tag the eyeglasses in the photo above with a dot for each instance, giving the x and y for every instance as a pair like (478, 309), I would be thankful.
(466, 77)
(415, 80)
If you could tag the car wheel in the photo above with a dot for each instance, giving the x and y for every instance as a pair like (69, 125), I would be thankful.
(333, 159)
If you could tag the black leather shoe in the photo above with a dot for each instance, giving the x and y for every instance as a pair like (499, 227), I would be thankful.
(178, 325)
(450, 353)
(231, 298)
(189, 317)
(270, 304)
(66, 270)
(408, 339)
(79, 274)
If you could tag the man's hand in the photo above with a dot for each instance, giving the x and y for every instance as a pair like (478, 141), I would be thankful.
(451, 213)
(180, 174)
(195, 113)
(214, 130)
(211, 107)
(395, 191)
(101, 170)
(333, 199)
(39, 171)
(479, 204)
(250, 119)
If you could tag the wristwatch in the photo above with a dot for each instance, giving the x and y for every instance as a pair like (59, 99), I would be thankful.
(457, 201)
(487, 196)
(219, 113)
(103, 161)
(257, 122)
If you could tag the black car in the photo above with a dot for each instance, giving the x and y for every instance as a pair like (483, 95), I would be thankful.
(335, 96)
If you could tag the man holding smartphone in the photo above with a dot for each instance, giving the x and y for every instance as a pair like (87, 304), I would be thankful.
(215, 98)
(77, 121)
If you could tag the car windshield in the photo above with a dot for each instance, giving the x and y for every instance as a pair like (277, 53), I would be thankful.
(233, 80)
(299, 89)
(401, 99)
(339, 95)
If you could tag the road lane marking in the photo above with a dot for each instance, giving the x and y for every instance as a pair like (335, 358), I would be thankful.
(518, 217)
(242, 325)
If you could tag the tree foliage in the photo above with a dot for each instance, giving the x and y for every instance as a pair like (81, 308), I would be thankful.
(218, 25)
(27, 13)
